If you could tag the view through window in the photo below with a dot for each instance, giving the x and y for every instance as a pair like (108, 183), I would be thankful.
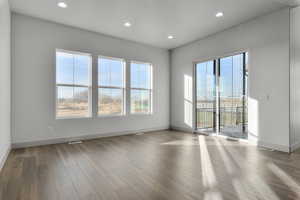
(206, 95)
(73, 84)
(221, 96)
(111, 86)
(233, 93)
(141, 87)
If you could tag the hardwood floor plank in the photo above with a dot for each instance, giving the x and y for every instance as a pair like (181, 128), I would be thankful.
(164, 165)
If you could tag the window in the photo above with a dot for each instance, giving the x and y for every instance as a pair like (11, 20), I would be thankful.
(141, 88)
(73, 84)
(111, 86)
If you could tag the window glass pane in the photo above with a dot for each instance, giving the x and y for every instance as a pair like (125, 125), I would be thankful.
(72, 68)
(140, 101)
(72, 102)
(205, 81)
(110, 101)
(64, 68)
(135, 101)
(81, 101)
(140, 75)
(64, 101)
(226, 76)
(110, 72)
(237, 74)
(81, 69)
(205, 95)
(103, 72)
(145, 99)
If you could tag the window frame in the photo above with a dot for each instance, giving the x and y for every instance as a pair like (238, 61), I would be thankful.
(124, 111)
(89, 86)
(142, 89)
(246, 67)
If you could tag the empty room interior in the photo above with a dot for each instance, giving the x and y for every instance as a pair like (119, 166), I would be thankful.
(149, 99)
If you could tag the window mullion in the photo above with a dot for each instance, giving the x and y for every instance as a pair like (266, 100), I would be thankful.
(110, 87)
(140, 89)
(127, 87)
(72, 85)
(142, 101)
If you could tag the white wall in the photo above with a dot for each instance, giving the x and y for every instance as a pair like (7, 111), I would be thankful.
(267, 40)
(33, 81)
(295, 77)
(4, 80)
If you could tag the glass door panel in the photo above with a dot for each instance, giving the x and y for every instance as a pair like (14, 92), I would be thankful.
(206, 96)
(232, 96)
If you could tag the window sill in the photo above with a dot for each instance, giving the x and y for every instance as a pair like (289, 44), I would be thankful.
(111, 116)
(139, 114)
(62, 118)
(106, 116)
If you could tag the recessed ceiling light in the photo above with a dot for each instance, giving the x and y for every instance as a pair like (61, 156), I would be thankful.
(62, 4)
(127, 24)
(219, 14)
(170, 37)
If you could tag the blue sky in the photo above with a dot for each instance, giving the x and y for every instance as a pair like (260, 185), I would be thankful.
(110, 72)
(72, 69)
(65, 69)
(231, 73)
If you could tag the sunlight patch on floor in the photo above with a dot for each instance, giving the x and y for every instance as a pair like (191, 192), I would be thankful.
(227, 161)
(212, 195)
(285, 178)
(241, 190)
(208, 175)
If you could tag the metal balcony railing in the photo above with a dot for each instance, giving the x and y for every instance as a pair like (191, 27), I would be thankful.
(229, 116)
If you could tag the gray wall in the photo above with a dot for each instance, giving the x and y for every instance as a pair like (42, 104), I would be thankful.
(267, 40)
(33, 81)
(4, 80)
(295, 77)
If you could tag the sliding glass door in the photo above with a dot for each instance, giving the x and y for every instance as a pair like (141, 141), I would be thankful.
(221, 96)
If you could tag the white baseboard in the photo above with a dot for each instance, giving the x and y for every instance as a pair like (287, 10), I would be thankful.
(177, 128)
(295, 146)
(95, 136)
(24, 144)
(4, 156)
(276, 147)
(259, 143)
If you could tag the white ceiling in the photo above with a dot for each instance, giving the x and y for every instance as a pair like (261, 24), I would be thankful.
(152, 20)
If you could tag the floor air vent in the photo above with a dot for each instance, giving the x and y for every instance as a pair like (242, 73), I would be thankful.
(265, 149)
(75, 142)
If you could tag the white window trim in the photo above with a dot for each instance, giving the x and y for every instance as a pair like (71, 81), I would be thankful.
(124, 111)
(150, 90)
(89, 86)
